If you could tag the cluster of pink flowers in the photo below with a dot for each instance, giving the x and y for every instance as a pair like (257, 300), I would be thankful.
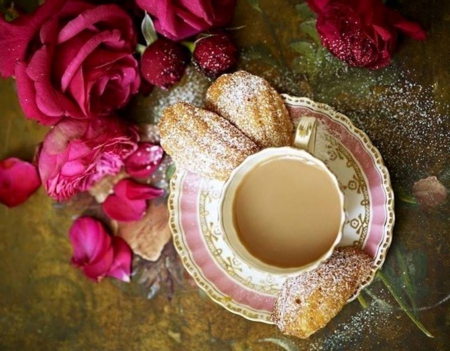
(75, 66)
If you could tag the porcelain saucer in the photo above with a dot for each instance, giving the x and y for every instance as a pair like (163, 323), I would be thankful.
(369, 206)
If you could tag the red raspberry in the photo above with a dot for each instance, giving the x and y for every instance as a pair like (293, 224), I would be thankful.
(164, 62)
(215, 54)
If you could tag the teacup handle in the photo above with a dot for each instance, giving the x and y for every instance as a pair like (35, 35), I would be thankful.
(305, 134)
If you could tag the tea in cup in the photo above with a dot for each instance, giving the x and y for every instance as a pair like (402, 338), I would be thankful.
(282, 210)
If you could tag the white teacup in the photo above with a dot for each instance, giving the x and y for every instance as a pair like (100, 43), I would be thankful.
(282, 210)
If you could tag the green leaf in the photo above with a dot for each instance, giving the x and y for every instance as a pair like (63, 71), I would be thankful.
(260, 52)
(140, 48)
(255, 5)
(403, 306)
(304, 11)
(405, 197)
(148, 30)
(10, 12)
(307, 63)
(309, 27)
(304, 48)
(170, 171)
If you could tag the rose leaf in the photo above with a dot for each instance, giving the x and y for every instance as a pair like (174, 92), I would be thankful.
(148, 30)
(309, 27)
(304, 11)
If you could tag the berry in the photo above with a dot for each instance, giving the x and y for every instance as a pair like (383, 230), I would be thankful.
(164, 62)
(215, 54)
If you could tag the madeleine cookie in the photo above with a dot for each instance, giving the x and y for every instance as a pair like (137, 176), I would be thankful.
(252, 105)
(202, 141)
(310, 300)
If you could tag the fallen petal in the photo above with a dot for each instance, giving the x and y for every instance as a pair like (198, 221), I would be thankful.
(128, 203)
(430, 192)
(18, 180)
(123, 209)
(136, 191)
(97, 271)
(129, 189)
(121, 266)
(90, 241)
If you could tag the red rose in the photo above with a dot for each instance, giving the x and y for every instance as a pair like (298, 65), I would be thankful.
(70, 58)
(361, 33)
(179, 19)
(75, 154)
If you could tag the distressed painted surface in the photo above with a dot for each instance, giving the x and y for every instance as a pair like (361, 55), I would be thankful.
(45, 304)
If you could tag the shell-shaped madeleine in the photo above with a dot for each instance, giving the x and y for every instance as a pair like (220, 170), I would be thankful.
(252, 105)
(310, 300)
(202, 141)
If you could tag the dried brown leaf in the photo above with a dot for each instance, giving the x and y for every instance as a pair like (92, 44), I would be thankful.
(148, 236)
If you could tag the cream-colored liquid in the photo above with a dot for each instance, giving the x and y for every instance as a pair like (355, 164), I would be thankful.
(287, 213)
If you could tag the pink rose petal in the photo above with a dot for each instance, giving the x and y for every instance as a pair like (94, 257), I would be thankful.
(89, 241)
(128, 203)
(18, 180)
(123, 209)
(111, 14)
(16, 35)
(129, 189)
(121, 266)
(27, 97)
(98, 270)
(93, 252)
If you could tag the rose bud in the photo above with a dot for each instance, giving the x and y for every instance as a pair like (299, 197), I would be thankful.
(163, 63)
(144, 161)
(215, 54)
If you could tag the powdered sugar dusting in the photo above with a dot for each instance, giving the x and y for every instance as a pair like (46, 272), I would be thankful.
(202, 141)
(309, 301)
(191, 90)
(406, 126)
(251, 104)
(347, 335)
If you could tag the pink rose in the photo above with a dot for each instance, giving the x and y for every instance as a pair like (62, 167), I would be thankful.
(18, 180)
(361, 33)
(70, 58)
(96, 253)
(179, 19)
(75, 154)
